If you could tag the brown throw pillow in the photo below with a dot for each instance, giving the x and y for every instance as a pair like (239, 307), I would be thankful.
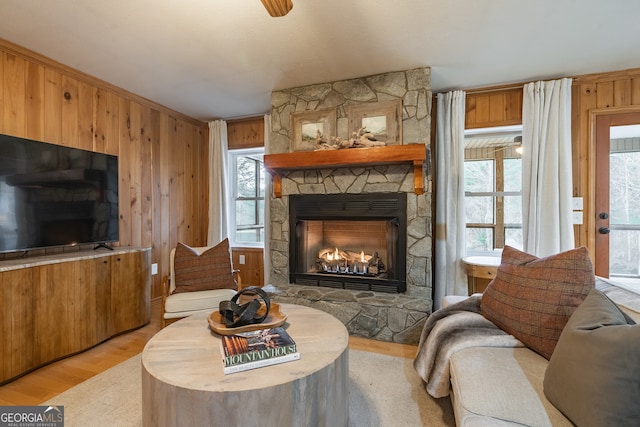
(210, 270)
(532, 298)
(593, 377)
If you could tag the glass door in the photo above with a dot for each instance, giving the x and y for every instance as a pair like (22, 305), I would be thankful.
(618, 197)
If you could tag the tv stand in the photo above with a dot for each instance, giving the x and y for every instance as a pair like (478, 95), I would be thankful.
(102, 245)
(61, 304)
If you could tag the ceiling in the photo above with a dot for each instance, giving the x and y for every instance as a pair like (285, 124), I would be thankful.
(223, 58)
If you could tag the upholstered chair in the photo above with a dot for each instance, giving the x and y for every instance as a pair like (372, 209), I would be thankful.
(200, 277)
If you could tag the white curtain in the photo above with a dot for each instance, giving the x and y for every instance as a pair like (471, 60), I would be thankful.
(449, 277)
(218, 206)
(547, 168)
(268, 190)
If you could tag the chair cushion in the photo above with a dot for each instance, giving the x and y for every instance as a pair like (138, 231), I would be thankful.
(593, 376)
(194, 301)
(532, 298)
(209, 269)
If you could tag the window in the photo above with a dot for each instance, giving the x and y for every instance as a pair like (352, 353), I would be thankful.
(493, 189)
(246, 178)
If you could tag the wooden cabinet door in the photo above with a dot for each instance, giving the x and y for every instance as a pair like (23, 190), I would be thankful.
(53, 304)
(18, 328)
(130, 291)
(91, 307)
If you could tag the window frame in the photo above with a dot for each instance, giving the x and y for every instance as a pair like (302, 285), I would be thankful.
(232, 161)
(499, 226)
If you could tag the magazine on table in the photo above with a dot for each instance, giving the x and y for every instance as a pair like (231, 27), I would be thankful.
(255, 349)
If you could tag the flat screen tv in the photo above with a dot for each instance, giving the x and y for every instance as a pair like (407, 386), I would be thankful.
(51, 196)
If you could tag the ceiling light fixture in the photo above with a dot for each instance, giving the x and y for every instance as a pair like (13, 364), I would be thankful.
(277, 8)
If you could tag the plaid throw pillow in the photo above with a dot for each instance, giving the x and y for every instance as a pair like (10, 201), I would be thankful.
(532, 298)
(210, 270)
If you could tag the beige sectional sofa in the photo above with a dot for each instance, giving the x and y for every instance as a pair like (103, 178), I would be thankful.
(494, 379)
(504, 386)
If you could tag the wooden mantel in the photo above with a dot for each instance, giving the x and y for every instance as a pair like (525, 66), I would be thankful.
(414, 154)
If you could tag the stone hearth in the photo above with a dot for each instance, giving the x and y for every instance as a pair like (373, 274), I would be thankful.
(393, 318)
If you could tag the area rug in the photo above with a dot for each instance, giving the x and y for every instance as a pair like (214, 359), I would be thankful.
(383, 391)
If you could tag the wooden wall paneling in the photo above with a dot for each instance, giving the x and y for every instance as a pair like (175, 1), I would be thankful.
(34, 111)
(496, 107)
(135, 174)
(112, 126)
(245, 133)
(157, 249)
(86, 119)
(513, 106)
(53, 98)
(183, 191)
(2, 61)
(621, 92)
(163, 184)
(124, 172)
(147, 133)
(69, 112)
(202, 143)
(185, 136)
(14, 95)
(252, 271)
(176, 187)
(635, 91)
(604, 94)
(101, 122)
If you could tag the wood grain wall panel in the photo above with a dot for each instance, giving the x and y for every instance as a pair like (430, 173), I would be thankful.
(252, 271)
(635, 91)
(621, 92)
(34, 111)
(52, 106)
(14, 95)
(69, 112)
(44, 100)
(2, 108)
(245, 133)
(495, 107)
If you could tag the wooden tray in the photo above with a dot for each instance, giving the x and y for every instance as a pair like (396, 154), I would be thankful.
(274, 319)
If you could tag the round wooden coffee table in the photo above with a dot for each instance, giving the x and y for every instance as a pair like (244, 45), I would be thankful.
(183, 382)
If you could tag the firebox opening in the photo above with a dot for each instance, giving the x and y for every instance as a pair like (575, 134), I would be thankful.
(350, 242)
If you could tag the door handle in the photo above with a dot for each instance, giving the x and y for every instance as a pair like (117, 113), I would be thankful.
(603, 215)
(604, 230)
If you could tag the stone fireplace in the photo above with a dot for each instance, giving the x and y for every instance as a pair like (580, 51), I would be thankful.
(391, 301)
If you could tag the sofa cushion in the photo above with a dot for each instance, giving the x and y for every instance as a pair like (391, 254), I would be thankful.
(532, 298)
(210, 269)
(593, 376)
(501, 386)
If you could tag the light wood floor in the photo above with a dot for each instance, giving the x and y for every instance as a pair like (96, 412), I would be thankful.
(51, 380)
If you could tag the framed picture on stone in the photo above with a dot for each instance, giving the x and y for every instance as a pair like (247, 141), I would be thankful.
(383, 119)
(308, 127)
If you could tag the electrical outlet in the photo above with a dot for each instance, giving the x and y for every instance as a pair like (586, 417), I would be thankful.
(154, 268)
(242, 260)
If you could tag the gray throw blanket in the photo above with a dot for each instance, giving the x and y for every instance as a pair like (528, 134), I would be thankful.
(449, 330)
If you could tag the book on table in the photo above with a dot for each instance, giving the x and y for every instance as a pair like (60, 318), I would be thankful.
(255, 349)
